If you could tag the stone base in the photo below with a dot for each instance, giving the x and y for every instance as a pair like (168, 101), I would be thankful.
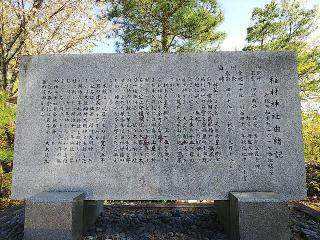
(255, 215)
(91, 211)
(54, 216)
(223, 211)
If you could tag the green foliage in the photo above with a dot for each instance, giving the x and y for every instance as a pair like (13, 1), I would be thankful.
(313, 178)
(311, 136)
(7, 114)
(6, 179)
(7, 125)
(5, 201)
(6, 155)
(166, 25)
(7, 129)
(288, 25)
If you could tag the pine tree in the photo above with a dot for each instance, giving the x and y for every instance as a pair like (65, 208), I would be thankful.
(289, 26)
(166, 25)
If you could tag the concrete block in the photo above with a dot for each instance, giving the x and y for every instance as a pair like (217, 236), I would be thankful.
(258, 216)
(54, 216)
(222, 208)
(91, 211)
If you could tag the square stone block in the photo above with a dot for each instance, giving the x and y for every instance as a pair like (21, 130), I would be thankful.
(91, 211)
(222, 208)
(258, 216)
(54, 216)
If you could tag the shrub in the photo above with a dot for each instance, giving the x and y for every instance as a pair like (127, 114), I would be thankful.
(313, 178)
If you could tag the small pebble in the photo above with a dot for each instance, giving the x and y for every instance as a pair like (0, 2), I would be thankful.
(116, 223)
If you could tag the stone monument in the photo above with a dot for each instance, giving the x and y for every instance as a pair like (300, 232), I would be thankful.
(219, 125)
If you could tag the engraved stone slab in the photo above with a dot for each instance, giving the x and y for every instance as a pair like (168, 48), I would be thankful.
(54, 215)
(159, 126)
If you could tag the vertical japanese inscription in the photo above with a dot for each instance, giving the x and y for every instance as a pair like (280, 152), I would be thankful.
(174, 120)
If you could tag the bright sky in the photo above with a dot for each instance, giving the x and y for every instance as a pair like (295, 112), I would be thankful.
(237, 18)
(237, 14)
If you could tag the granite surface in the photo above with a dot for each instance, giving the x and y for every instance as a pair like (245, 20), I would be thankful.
(49, 218)
(258, 218)
(159, 126)
(258, 196)
(91, 211)
(55, 197)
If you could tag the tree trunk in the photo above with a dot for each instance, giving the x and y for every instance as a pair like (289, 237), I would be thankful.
(1, 179)
(164, 36)
(9, 136)
(4, 68)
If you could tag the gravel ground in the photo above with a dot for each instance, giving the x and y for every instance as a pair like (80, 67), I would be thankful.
(11, 223)
(125, 223)
(157, 223)
(303, 226)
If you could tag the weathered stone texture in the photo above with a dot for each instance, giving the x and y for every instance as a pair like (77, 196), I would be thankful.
(159, 126)
(54, 216)
(259, 216)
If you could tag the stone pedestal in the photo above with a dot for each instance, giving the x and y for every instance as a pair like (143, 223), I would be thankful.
(54, 216)
(91, 212)
(223, 210)
(255, 215)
